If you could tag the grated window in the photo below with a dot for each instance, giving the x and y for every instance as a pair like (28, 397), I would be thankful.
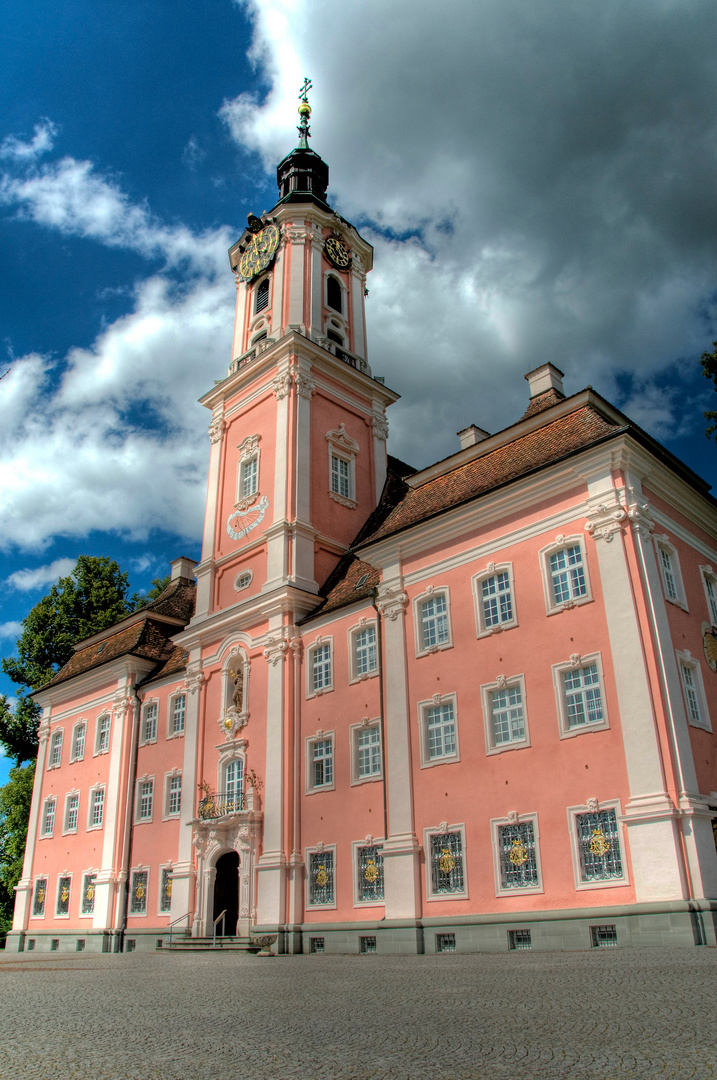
(598, 846)
(370, 873)
(54, 944)
(445, 943)
(519, 939)
(80, 946)
(316, 944)
(88, 894)
(321, 877)
(446, 863)
(367, 944)
(603, 936)
(518, 862)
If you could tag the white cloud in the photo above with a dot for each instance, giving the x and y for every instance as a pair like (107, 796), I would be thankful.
(15, 149)
(37, 577)
(554, 164)
(10, 631)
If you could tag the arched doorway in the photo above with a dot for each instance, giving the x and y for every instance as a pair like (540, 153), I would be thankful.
(226, 892)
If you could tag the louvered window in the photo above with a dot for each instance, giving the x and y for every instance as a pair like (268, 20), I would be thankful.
(262, 296)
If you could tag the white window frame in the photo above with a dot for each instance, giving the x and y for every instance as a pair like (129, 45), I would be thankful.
(66, 830)
(343, 447)
(353, 633)
(99, 748)
(229, 756)
(319, 643)
(709, 581)
(339, 319)
(443, 830)
(140, 796)
(37, 880)
(356, 846)
(173, 699)
(355, 731)
(147, 705)
(255, 295)
(685, 660)
(243, 580)
(577, 662)
(49, 814)
(249, 455)
(321, 736)
(55, 749)
(167, 867)
(515, 819)
(433, 592)
(592, 807)
(94, 791)
(487, 692)
(74, 756)
(138, 914)
(492, 570)
(562, 543)
(320, 849)
(665, 547)
(87, 874)
(169, 814)
(66, 914)
(424, 711)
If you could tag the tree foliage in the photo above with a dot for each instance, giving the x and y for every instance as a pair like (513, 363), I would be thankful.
(91, 599)
(15, 799)
(709, 370)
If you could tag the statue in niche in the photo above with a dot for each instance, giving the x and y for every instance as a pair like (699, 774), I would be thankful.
(237, 678)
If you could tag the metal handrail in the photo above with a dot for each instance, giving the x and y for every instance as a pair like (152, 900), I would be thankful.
(174, 923)
(217, 804)
(220, 916)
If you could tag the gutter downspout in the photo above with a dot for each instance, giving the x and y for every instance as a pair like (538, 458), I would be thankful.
(129, 816)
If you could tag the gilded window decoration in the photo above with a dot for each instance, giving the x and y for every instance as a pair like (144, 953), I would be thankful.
(165, 896)
(598, 846)
(89, 885)
(447, 863)
(518, 861)
(138, 893)
(370, 873)
(321, 877)
(38, 903)
(63, 895)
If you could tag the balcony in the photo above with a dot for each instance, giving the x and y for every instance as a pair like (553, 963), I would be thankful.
(219, 804)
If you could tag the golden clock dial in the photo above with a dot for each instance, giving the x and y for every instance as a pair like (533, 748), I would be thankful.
(337, 252)
(261, 250)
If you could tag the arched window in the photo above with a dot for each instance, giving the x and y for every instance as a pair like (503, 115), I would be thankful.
(259, 337)
(333, 336)
(262, 296)
(333, 294)
(234, 784)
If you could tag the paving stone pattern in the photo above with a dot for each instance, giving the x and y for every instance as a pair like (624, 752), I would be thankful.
(608, 1014)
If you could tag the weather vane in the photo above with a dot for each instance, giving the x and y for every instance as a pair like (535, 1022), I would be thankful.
(304, 113)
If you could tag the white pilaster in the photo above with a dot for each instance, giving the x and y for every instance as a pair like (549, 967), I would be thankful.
(183, 872)
(23, 889)
(271, 867)
(297, 240)
(238, 346)
(317, 282)
(277, 296)
(358, 284)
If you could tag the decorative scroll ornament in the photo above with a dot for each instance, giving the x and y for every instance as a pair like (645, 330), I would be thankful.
(518, 853)
(248, 446)
(501, 681)
(371, 872)
(599, 843)
(604, 522)
(322, 877)
(258, 509)
(446, 861)
(119, 706)
(392, 603)
(305, 387)
(593, 806)
(275, 650)
(380, 425)
(217, 427)
(193, 680)
(281, 385)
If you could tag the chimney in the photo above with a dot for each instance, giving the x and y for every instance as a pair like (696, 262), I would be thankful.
(471, 435)
(544, 378)
(182, 568)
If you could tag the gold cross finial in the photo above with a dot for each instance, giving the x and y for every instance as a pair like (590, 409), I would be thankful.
(303, 91)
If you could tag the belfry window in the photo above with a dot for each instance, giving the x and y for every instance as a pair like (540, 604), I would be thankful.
(333, 336)
(334, 299)
(262, 296)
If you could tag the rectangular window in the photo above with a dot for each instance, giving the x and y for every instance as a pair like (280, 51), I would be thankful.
(691, 698)
(149, 722)
(433, 615)
(138, 893)
(445, 943)
(710, 583)
(316, 944)
(598, 846)
(519, 939)
(38, 903)
(89, 884)
(340, 476)
(321, 877)
(365, 657)
(603, 936)
(54, 944)
(174, 795)
(567, 575)
(368, 752)
(367, 943)
(446, 856)
(321, 667)
(234, 784)
(71, 811)
(78, 742)
(668, 574)
(63, 895)
(440, 731)
(583, 700)
(48, 817)
(103, 734)
(507, 719)
(322, 763)
(56, 750)
(370, 873)
(165, 899)
(145, 798)
(517, 856)
(496, 600)
(179, 709)
(97, 808)
(249, 478)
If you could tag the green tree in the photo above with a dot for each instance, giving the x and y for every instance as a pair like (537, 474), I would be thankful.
(93, 597)
(709, 370)
(15, 800)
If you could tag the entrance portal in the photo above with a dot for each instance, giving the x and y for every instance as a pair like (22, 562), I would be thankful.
(226, 892)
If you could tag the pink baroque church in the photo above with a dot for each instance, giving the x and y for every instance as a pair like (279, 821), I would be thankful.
(464, 708)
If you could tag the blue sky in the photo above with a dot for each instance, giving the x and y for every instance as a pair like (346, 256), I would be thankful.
(537, 180)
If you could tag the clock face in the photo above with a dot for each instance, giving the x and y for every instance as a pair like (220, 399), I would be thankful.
(337, 252)
(261, 250)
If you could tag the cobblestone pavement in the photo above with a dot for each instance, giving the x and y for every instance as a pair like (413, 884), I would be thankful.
(521, 1016)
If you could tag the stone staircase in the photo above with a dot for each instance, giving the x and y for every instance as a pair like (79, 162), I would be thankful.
(203, 944)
